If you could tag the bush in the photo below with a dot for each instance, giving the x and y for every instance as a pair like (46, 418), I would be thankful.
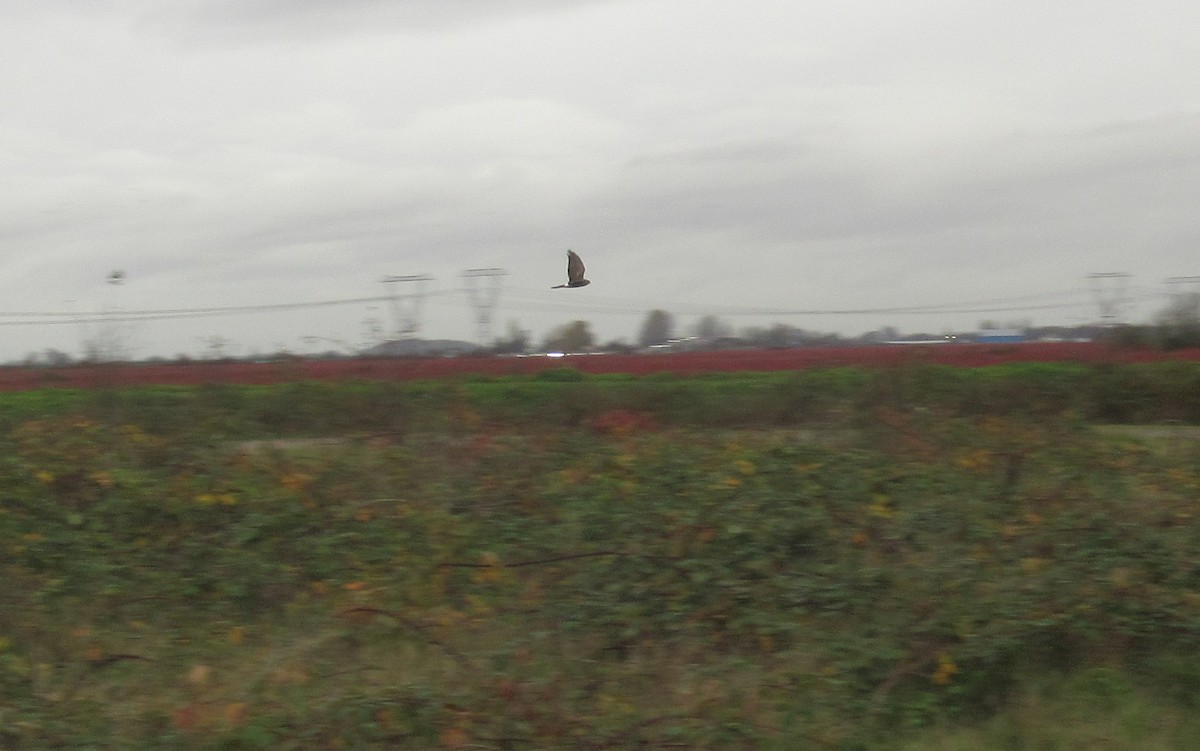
(658, 574)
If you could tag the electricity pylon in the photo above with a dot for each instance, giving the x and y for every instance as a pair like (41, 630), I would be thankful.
(1110, 290)
(110, 340)
(406, 307)
(483, 287)
(1183, 285)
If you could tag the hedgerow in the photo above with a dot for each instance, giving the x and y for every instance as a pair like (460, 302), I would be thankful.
(635, 567)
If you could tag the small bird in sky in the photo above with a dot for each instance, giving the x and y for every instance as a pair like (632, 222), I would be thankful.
(574, 272)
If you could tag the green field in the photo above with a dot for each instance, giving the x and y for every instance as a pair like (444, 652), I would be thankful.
(913, 558)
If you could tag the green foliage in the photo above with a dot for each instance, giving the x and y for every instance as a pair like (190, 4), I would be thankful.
(579, 562)
(1167, 391)
(1092, 707)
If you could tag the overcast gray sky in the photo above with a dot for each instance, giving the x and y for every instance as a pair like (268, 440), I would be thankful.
(755, 160)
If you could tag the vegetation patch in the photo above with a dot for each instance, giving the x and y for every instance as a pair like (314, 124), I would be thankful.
(843, 559)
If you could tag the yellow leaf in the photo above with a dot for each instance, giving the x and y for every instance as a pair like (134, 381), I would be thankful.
(1032, 565)
(493, 570)
(882, 507)
(946, 670)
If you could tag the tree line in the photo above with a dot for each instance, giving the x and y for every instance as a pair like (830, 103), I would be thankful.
(1176, 326)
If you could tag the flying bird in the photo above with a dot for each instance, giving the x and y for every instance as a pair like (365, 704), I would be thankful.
(574, 272)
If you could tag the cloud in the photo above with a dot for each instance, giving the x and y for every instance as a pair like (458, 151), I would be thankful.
(776, 155)
(231, 22)
(767, 224)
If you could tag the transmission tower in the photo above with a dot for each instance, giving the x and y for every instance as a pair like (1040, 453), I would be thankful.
(1111, 290)
(406, 306)
(1183, 285)
(483, 287)
(109, 344)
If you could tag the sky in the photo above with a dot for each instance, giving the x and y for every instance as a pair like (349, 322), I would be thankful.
(255, 170)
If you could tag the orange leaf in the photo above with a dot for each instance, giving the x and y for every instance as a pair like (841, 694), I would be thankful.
(185, 717)
(455, 737)
(198, 675)
(235, 713)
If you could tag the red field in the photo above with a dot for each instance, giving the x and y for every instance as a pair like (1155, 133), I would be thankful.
(681, 363)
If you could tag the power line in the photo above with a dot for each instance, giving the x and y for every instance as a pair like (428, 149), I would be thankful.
(537, 301)
(212, 310)
(994, 305)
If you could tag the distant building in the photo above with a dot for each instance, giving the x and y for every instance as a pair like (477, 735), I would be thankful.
(422, 348)
(1000, 336)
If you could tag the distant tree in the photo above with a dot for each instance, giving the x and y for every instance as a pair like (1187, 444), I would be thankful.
(778, 335)
(1179, 322)
(656, 329)
(572, 337)
(783, 335)
(753, 335)
(830, 339)
(885, 334)
(516, 342)
(56, 358)
(711, 327)
(52, 358)
(619, 346)
(1127, 335)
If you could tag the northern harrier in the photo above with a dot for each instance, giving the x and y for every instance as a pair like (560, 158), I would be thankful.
(574, 272)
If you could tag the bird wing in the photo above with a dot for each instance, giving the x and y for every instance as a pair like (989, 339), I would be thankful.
(575, 268)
